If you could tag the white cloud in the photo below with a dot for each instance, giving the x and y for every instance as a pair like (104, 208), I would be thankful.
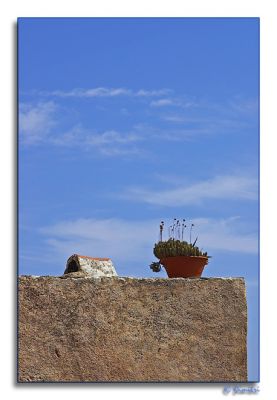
(36, 121)
(105, 92)
(112, 151)
(245, 106)
(119, 239)
(125, 240)
(225, 235)
(176, 102)
(168, 134)
(108, 143)
(111, 137)
(161, 103)
(152, 93)
(233, 115)
(94, 92)
(227, 187)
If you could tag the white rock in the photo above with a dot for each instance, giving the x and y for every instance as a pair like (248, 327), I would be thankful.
(90, 266)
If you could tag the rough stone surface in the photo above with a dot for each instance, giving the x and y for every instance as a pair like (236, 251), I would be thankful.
(127, 329)
(90, 267)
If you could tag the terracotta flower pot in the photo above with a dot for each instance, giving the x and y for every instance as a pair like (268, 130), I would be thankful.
(184, 266)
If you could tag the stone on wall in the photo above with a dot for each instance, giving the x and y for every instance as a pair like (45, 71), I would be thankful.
(90, 267)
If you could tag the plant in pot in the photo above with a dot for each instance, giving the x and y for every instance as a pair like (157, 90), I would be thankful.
(181, 259)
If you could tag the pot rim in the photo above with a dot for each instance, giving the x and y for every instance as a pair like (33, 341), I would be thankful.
(205, 257)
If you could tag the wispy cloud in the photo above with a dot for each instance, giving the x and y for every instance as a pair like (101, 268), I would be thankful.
(227, 116)
(116, 238)
(105, 92)
(245, 106)
(225, 235)
(182, 102)
(161, 103)
(36, 121)
(94, 92)
(41, 123)
(224, 187)
(124, 240)
(152, 93)
(109, 143)
(44, 123)
(171, 134)
(38, 124)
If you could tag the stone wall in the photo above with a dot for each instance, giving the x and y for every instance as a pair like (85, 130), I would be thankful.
(132, 330)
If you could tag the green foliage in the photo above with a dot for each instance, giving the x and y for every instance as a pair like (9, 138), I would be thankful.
(172, 247)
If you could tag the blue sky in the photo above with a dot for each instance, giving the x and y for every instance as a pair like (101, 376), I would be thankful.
(127, 122)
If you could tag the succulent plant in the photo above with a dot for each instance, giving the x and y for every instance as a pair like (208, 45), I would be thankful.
(173, 248)
(155, 266)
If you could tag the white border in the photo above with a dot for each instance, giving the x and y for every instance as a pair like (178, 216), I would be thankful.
(147, 8)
